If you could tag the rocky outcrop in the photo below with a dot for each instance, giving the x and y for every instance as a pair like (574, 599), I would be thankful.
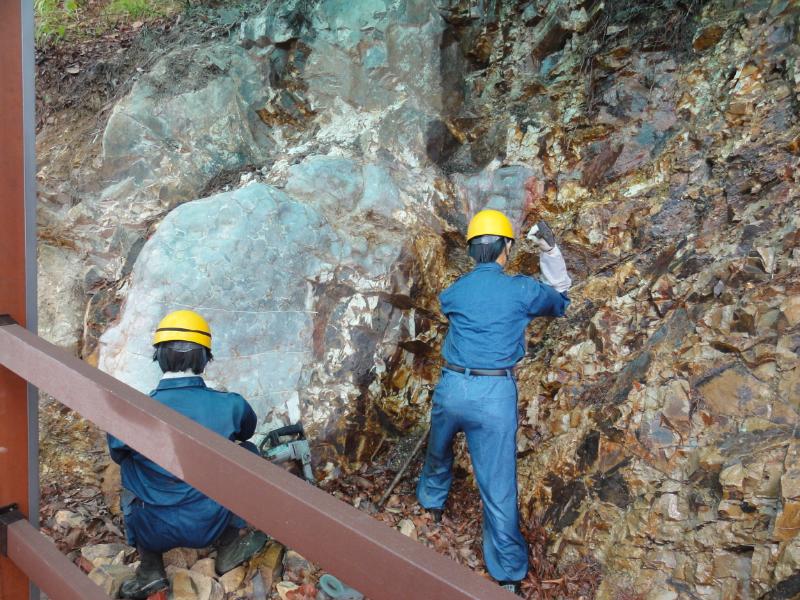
(307, 185)
(325, 249)
(660, 418)
(295, 285)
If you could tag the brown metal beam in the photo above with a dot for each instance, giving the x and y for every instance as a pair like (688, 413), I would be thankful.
(377, 560)
(53, 572)
(17, 475)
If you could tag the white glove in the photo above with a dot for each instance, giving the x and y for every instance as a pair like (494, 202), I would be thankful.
(542, 236)
(551, 262)
(554, 270)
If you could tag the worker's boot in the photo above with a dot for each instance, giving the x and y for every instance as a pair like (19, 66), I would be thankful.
(150, 577)
(235, 549)
(512, 586)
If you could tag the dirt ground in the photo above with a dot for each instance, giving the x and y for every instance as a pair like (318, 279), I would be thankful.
(80, 496)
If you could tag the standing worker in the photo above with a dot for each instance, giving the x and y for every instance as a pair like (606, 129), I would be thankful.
(162, 512)
(477, 394)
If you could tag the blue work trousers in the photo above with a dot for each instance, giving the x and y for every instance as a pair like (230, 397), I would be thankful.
(485, 409)
(195, 524)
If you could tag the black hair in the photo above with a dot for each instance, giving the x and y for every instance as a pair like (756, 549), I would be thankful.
(178, 356)
(485, 249)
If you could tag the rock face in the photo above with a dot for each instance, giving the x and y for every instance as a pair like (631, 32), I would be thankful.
(660, 416)
(288, 270)
(307, 185)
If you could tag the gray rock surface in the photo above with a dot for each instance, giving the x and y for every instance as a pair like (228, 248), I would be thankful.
(287, 279)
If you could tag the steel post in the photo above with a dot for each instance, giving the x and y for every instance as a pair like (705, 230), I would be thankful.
(18, 410)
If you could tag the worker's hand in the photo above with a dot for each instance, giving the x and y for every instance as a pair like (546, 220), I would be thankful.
(542, 236)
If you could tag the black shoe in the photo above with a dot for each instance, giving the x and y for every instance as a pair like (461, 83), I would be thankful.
(512, 586)
(436, 513)
(240, 549)
(150, 577)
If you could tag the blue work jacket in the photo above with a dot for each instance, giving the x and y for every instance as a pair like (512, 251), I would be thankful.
(176, 504)
(489, 311)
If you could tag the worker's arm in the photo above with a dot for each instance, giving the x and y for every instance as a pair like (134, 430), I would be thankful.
(549, 298)
(246, 418)
(543, 300)
(118, 450)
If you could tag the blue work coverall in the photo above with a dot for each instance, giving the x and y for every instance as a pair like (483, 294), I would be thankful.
(162, 512)
(488, 313)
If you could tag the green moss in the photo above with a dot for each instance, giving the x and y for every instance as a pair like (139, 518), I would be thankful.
(53, 17)
(138, 9)
(60, 21)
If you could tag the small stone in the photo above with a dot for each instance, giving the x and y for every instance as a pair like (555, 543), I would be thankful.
(204, 566)
(406, 527)
(182, 587)
(66, 519)
(231, 580)
(208, 588)
(110, 577)
(183, 558)
(193, 585)
(269, 563)
(284, 587)
(259, 589)
(105, 554)
(298, 565)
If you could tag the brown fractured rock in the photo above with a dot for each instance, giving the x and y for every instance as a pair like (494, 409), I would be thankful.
(707, 37)
(110, 577)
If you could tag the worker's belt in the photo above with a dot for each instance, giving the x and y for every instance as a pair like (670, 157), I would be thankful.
(480, 372)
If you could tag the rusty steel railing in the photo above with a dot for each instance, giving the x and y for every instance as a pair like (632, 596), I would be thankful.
(379, 561)
(38, 557)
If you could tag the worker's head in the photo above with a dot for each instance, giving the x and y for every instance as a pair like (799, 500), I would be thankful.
(182, 342)
(489, 235)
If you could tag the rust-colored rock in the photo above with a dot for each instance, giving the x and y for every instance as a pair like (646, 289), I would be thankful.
(707, 37)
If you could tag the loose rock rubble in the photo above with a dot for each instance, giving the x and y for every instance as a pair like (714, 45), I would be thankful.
(273, 573)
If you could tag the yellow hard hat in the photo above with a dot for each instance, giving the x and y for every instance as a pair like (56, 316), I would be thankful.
(185, 326)
(490, 222)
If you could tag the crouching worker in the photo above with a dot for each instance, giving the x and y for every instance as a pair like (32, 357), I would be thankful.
(162, 512)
